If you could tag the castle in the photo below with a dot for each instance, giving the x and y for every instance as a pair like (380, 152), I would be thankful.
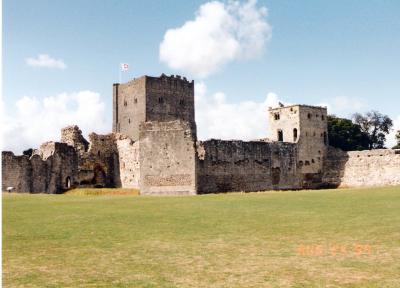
(153, 147)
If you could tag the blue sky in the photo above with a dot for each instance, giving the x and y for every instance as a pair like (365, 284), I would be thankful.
(344, 54)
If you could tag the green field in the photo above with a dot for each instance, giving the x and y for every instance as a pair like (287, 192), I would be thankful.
(324, 238)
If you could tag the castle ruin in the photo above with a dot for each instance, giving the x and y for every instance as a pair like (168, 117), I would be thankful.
(153, 147)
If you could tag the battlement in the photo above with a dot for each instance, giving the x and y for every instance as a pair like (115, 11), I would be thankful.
(162, 78)
(297, 105)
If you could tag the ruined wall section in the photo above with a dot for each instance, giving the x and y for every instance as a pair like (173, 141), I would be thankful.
(99, 166)
(62, 167)
(16, 172)
(129, 165)
(110, 160)
(361, 168)
(72, 136)
(167, 158)
(246, 166)
(52, 169)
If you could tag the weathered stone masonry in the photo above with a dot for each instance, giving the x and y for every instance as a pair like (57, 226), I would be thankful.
(51, 169)
(246, 166)
(154, 147)
(362, 168)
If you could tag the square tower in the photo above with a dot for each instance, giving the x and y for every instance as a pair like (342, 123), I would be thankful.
(306, 126)
(149, 98)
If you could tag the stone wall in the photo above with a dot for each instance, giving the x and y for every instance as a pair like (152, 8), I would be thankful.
(72, 136)
(129, 165)
(246, 166)
(52, 169)
(361, 168)
(167, 158)
(110, 160)
(16, 172)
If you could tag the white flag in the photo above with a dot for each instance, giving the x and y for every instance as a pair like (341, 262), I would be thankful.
(124, 67)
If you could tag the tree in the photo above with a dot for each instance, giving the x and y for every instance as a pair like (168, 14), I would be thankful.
(346, 135)
(397, 146)
(376, 126)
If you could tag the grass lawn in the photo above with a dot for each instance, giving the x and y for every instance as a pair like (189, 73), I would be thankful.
(324, 238)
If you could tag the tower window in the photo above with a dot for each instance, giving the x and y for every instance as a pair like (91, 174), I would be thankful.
(309, 115)
(160, 100)
(129, 120)
(125, 103)
(322, 117)
(294, 134)
(181, 102)
(325, 139)
(276, 116)
(135, 101)
(280, 135)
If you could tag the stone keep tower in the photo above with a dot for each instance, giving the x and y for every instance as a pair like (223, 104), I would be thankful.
(306, 126)
(148, 98)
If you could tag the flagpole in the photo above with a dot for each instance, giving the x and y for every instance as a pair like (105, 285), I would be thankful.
(119, 70)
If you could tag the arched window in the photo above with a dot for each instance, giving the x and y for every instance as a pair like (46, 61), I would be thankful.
(294, 134)
(280, 135)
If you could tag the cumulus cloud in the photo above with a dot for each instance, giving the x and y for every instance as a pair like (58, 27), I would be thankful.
(36, 121)
(344, 106)
(220, 33)
(44, 60)
(216, 117)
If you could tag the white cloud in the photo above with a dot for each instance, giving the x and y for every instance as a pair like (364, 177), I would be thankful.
(220, 33)
(36, 121)
(344, 106)
(216, 117)
(44, 60)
